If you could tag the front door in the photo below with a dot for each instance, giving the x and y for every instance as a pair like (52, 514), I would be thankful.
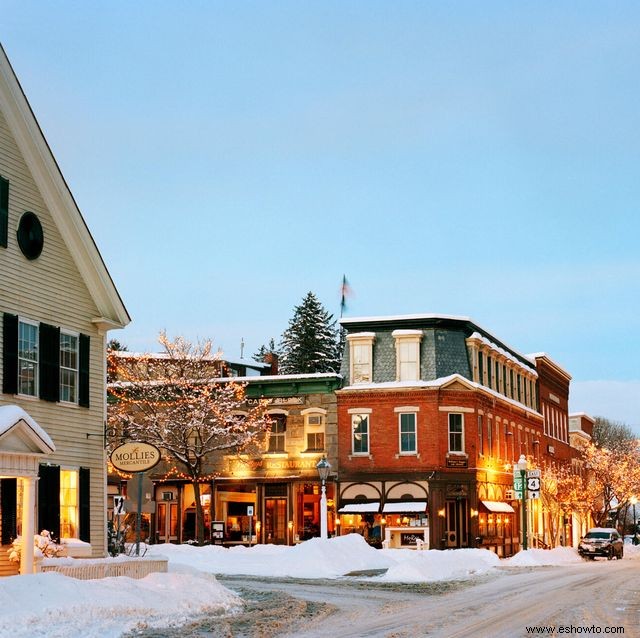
(275, 521)
(456, 523)
(167, 522)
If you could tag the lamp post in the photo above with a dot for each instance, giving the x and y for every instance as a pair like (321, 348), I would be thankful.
(522, 466)
(323, 467)
(634, 500)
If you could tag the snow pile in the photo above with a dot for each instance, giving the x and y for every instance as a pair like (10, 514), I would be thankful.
(314, 558)
(434, 565)
(56, 606)
(542, 557)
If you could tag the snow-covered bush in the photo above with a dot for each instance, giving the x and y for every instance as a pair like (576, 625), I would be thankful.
(44, 547)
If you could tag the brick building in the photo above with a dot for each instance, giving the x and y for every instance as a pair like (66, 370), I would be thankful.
(434, 413)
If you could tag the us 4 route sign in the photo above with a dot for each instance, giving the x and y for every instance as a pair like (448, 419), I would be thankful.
(533, 483)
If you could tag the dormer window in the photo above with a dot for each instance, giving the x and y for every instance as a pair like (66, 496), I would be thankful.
(407, 354)
(361, 357)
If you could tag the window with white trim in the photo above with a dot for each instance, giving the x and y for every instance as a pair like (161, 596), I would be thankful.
(407, 354)
(408, 432)
(360, 433)
(69, 367)
(456, 432)
(314, 431)
(361, 357)
(28, 358)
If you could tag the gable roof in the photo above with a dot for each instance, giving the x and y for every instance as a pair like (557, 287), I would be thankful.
(59, 200)
(20, 433)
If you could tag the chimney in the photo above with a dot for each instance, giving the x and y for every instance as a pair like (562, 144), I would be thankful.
(272, 359)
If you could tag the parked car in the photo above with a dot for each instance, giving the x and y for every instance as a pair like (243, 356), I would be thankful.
(601, 541)
(632, 539)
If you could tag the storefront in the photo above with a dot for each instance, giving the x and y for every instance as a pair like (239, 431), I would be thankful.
(406, 525)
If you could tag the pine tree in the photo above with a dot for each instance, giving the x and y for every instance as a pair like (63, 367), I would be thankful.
(310, 343)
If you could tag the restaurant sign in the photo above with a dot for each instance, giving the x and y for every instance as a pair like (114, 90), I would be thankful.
(135, 457)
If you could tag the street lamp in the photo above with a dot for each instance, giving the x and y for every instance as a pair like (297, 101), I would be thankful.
(522, 466)
(323, 467)
(634, 500)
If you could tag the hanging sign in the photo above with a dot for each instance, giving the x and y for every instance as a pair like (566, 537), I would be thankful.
(135, 457)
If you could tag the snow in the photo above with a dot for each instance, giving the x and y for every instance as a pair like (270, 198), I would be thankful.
(53, 605)
(11, 415)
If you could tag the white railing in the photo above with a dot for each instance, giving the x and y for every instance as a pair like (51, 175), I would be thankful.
(89, 570)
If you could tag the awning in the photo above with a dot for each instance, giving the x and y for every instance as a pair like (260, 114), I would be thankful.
(498, 507)
(359, 508)
(407, 506)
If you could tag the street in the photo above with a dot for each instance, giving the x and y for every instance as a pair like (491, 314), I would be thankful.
(600, 594)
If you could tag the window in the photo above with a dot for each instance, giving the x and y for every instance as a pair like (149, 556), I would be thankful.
(277, 433)
(68, 503)
(314, 429)
(407, 433)
(361, 356)
(456, 438)
(360, 433)
(68, 367)
(480, 436)
(27, 358)
(480, 368)
(407, 354)
(490, 437)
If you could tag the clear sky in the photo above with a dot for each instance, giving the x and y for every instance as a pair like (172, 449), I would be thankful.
(467, 158)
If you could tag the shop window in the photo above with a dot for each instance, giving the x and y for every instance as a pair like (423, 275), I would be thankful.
(456, 433)
(314, 432)
(408, 443)
(277, 434)
(360, 433)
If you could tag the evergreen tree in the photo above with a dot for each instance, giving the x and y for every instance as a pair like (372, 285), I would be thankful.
(310, 343)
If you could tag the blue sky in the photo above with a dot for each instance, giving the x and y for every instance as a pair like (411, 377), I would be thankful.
(468, 158)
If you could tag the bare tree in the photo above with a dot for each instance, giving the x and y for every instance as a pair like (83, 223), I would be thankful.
(178, 402)
(612, 434)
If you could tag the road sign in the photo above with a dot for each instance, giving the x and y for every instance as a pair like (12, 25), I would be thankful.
(249, 510)
(534, 474)
(118, 505)
(533, 483)
(517, 486)
(534, 493)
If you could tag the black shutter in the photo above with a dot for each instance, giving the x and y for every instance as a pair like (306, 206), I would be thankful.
(49, 500)
(10, 354)
(85, 509)
(8, 490)
(83, 381)
(49, 342)
(4, 211)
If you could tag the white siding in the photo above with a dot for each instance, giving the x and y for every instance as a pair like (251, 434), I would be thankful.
(50, 289)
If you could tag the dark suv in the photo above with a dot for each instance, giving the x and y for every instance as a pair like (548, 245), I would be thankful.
(601, 541)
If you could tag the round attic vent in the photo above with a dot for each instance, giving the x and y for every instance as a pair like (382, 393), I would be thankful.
(30, 236)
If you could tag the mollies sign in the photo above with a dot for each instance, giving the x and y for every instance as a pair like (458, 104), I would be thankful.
(135, 457)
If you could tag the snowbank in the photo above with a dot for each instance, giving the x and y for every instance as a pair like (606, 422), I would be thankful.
(435, 565)
(56, 606)
(315, 558)
(542, 557)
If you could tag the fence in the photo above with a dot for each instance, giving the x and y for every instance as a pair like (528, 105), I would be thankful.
(89, 570)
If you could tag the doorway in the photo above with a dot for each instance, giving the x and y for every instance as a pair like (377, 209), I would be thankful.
(167, 522)
(275, 521)
(456, 523)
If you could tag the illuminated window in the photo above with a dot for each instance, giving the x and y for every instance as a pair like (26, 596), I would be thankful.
(407, 424)
(68, 503)
(456, 434)
(360, 433)
(68, 367)
(314, 431)
(277, 433)
(27, 358)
